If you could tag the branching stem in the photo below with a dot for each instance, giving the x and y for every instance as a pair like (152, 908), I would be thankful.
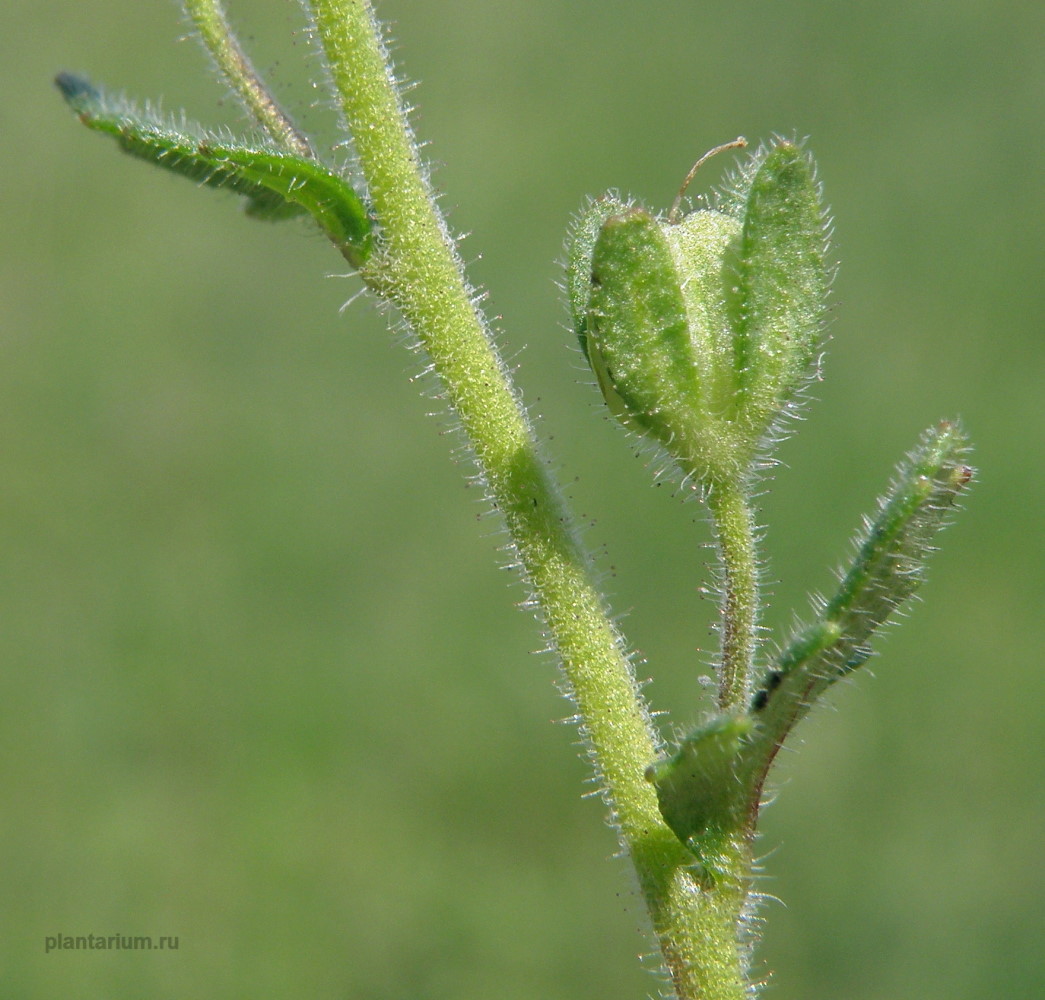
(209, 18)
(650, 306)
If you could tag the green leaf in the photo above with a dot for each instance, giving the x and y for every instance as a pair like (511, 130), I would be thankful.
(888, 567)
(276, 184)
(698, 790)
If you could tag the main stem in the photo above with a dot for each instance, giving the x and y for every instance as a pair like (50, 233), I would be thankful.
(418, 269)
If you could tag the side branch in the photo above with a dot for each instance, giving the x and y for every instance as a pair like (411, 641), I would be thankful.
(735, 536)
(210, 21)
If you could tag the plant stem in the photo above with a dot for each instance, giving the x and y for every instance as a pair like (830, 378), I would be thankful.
(209, 18)
(418, 269)
(735, 533)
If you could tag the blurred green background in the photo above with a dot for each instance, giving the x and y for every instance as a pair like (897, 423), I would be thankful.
(263, 684)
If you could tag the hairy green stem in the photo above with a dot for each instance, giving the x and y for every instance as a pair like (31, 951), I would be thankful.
(649, 304)
(209, 18)
(735, 534)
(418, 269)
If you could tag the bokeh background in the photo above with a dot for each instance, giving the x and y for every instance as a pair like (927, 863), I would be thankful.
(263, 685)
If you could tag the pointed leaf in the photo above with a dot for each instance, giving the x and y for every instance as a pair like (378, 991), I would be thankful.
(888, 567)
(276, 184)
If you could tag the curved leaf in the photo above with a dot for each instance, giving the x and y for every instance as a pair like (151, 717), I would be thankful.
(276, 184)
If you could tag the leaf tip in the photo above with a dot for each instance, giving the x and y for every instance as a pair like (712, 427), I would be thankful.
(79, 93)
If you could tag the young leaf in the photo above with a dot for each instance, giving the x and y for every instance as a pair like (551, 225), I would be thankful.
(276, 184)
(697, 787)
(888, 567)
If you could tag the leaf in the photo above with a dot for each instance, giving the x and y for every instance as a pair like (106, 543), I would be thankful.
(698, 790)
(276, 184)
(887, 568)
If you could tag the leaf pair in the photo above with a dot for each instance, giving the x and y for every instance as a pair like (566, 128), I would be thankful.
(276, 184)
